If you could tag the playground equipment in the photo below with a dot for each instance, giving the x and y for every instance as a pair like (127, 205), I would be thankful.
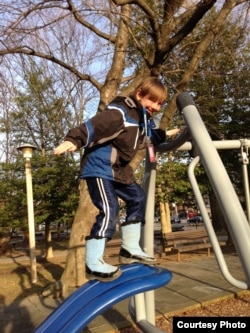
(94, 297)
(139, 281)
(207, 155)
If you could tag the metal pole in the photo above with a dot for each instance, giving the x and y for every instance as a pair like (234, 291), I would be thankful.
(148, 235)
(30, 207)
(222, 186)
(246, 187)
(146, 301)
(245, 161)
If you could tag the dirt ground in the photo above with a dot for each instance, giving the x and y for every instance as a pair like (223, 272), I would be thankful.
(15, 284)
(230, 307)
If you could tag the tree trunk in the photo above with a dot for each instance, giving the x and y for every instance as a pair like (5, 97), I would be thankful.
(74, 273)
(165, 217)
(49, 248)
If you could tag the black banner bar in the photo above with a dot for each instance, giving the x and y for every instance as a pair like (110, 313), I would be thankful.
(211, 324)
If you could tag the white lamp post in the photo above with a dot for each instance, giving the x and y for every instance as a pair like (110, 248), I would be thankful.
(27, 150)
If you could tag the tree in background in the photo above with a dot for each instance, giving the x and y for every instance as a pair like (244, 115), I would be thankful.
(41, 117)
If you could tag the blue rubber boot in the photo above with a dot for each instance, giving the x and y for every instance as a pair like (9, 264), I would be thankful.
(95, 266)
(130, 249)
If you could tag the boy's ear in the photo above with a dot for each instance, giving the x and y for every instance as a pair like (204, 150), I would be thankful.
(138, 95)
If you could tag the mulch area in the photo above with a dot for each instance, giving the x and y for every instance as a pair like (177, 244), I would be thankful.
(230, 307)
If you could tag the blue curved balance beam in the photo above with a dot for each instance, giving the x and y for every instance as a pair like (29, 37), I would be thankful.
(94, 297)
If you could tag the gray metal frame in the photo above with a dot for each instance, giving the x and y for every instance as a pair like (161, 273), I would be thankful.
(142, 306)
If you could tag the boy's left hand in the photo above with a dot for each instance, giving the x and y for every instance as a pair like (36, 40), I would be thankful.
(173, 131)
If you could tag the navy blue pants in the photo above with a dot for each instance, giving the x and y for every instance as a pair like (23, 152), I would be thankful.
(104, 195)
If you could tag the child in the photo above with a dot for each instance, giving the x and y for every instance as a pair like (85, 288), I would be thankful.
(110, 140)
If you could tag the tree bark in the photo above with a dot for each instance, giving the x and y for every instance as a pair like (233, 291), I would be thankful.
(165, 217)
(74, 273)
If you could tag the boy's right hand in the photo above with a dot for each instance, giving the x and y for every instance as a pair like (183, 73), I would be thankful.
(66, 146)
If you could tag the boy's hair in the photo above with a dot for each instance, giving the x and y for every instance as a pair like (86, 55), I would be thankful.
(153, 88)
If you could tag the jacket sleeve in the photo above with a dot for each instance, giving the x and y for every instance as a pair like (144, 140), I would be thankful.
(158, 136)
(97, 130)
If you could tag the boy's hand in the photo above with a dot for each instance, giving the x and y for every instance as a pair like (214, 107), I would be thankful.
(66, 146)
(173, 132)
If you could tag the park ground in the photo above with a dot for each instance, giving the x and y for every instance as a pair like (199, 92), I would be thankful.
(15, 284)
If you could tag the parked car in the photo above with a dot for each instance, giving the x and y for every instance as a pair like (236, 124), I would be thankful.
(157, 219)
(196, 219)
(175, 219)
(41, 226)
(53, 225)
(191, 215)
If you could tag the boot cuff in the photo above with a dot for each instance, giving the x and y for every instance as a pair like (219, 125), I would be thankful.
(131, 222)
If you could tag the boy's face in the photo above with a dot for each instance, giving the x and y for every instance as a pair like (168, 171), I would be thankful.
(151, 106)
